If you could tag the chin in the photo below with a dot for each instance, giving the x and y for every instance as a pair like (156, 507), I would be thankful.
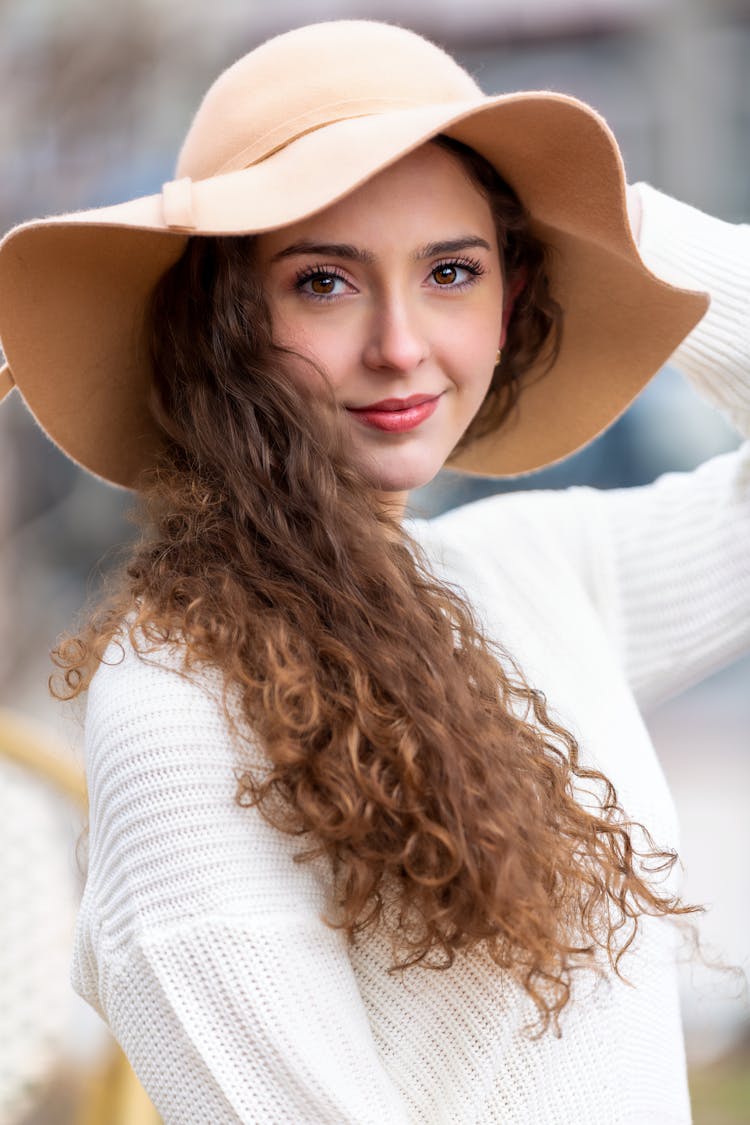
(392, 480)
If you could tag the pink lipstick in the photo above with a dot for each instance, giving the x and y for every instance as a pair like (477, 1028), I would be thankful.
(396, 415)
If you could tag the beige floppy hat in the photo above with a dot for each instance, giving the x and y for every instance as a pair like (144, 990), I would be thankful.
(287, 130)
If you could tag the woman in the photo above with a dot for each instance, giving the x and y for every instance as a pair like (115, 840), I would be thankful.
(376, 831)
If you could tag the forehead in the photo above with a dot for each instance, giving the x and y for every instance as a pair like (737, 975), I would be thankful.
(426, 194)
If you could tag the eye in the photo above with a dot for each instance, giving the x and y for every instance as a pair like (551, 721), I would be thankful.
(457, 273)
(319, 282)
(445, 275)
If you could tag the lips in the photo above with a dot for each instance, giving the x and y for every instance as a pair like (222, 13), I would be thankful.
(406, 414)
(395, 403)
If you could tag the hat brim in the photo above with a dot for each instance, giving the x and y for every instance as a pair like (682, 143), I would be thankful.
(73, 288)
(6, 381)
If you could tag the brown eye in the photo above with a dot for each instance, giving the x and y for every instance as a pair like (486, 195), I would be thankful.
(445, 275)
(319, 283)
(323, 284)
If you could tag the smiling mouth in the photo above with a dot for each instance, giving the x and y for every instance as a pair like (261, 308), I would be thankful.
(397, 419)
(396, 403)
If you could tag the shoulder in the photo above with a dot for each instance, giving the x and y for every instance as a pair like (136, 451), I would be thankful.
(146, 706)
(135, 669)
(522, 520)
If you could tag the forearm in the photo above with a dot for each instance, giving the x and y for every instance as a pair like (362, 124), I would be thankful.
(689, 248)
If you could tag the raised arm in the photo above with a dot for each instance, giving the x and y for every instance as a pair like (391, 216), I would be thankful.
(666, 566)
(689, 248)
(673, 558)
(199, 939)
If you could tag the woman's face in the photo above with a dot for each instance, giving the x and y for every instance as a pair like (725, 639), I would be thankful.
(396, 292)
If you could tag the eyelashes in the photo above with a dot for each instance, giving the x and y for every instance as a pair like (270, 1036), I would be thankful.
(318, 272)
(472, 266)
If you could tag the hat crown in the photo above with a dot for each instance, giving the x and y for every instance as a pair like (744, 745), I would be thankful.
(309, 77)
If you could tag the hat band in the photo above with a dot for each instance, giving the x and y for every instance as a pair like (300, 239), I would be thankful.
(326, 114)
(177, 195)
(177, 203)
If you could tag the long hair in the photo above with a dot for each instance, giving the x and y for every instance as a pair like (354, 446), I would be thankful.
(402, 743)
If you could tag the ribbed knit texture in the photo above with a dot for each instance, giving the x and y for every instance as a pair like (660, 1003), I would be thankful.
(199, 940)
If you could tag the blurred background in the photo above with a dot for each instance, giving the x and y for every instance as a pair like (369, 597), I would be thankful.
(96, 101)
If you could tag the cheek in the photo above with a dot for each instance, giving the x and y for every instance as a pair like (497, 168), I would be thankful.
(323, 344)
(286, 327)
(329, 348)
(471, 354)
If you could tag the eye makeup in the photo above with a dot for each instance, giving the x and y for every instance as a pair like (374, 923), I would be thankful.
(319, 272)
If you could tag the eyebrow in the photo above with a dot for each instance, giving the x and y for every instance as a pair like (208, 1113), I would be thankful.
(366, 257)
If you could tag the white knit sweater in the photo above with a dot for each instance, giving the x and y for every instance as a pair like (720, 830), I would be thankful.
(199, 940)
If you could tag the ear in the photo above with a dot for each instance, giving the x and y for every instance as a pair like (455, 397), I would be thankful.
(514, 290)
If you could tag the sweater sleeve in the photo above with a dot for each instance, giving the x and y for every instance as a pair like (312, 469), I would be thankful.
(667, 565)
(199, 938)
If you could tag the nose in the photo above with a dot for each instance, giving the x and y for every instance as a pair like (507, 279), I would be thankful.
(396, 340)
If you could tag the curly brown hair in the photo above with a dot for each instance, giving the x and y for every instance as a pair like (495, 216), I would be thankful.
(401, 741)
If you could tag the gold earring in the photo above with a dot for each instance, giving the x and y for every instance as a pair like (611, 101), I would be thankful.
(498, 357)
